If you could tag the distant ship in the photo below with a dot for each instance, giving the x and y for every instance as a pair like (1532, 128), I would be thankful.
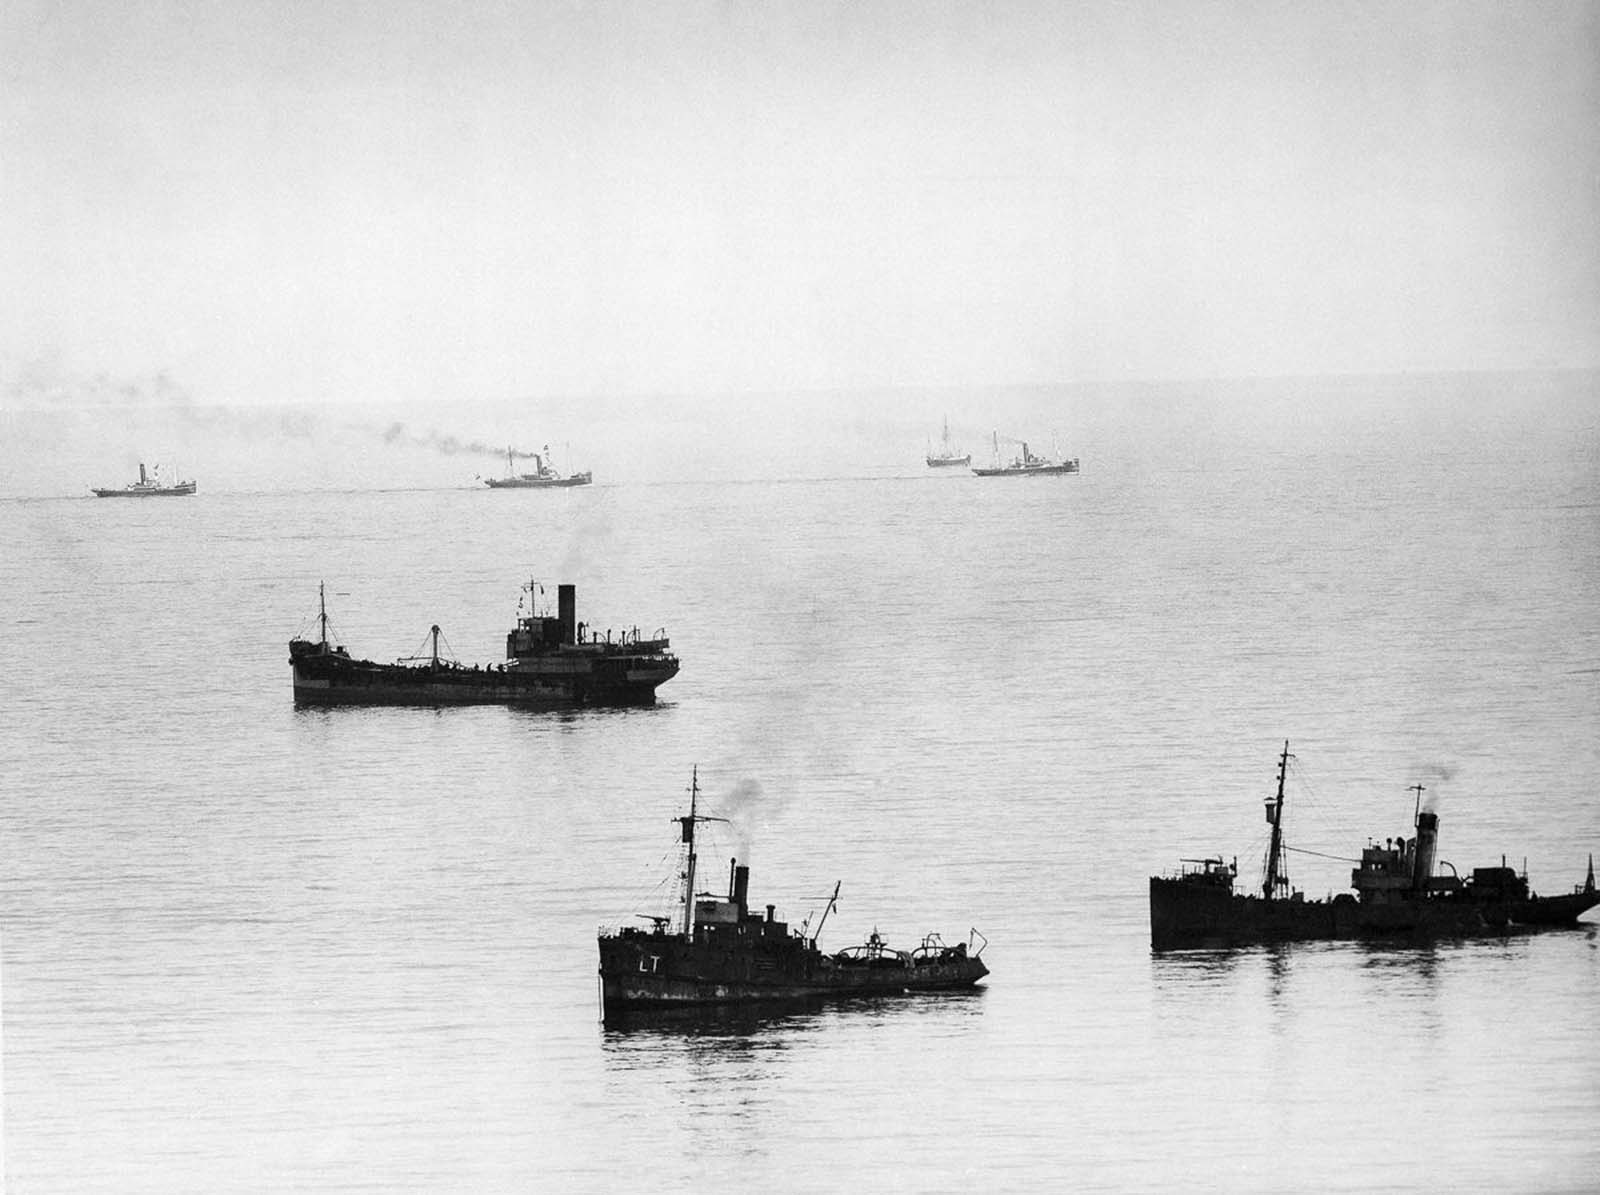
(148, 487)
(1397, 895)
(543, 476)
(1026, 465)
(715, 951)
(947, 455)
(550, 661)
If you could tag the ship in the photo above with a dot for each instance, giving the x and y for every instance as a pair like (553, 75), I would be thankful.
(1397, 895)
(1026, 464)
(947, 456)
(543, 477)
(551, 660)
(148, 487)
(714, 951)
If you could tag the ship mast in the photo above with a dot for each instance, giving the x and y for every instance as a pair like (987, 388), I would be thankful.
(1275, 867)
(833, 902)
(322, 615)
(688, 837)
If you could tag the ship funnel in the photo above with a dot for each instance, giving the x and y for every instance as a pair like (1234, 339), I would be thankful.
(141, 472)
(1427, 841)
(567, 610)
(741, 886)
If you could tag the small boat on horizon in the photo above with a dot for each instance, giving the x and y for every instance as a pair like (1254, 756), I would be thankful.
(1396, 895)
(148, 487)
(543, 477)
(1026, 464)
(714, 951)
(947, 456)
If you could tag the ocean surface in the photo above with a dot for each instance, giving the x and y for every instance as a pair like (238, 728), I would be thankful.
(250, 947)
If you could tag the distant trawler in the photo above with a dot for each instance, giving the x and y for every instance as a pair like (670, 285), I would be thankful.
(947, 455)
(148, 487)
(1027, 464)
(543, 476)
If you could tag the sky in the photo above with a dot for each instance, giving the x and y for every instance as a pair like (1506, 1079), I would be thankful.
(263, 202)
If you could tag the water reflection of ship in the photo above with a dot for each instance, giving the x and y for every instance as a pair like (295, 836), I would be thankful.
(551, 660)
(543, 477)
(1397, 895)
(714, 950)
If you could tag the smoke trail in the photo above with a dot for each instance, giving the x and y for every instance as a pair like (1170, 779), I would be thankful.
(448, 445)
(747, 808)
(43, 383)
(1439, 773)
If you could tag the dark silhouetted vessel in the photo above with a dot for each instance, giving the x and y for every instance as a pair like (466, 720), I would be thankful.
(1397, 895)
(715, 951)
(550, 661)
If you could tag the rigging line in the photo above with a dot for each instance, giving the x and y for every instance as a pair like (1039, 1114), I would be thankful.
(1300, 850)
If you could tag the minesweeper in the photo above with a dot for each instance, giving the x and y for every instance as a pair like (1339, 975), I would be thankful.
(1396, 895)
(551, 660)
(715, 951)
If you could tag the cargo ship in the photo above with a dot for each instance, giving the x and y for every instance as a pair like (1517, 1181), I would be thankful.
(1026, 464)
(148, 487)
(1396, 895)
(947, 456)
(543, 477)
(551, 660)
(712, 950)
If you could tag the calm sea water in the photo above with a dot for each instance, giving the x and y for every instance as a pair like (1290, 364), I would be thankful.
(250, 947)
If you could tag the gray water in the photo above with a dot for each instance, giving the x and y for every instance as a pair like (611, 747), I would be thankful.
(253, 947)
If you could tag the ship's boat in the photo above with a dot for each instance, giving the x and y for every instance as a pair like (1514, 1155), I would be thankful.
(947, 456)
(551, 660)
(1026, 464)
(714, 950)
(543, 477)
(148, 487)
(1396, 895)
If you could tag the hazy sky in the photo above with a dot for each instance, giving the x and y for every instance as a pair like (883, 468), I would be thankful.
(330, 201)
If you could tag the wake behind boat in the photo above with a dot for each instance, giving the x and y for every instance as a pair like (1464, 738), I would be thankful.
(1397, 895)
(714, 951)
(148, 487)
(551, 660)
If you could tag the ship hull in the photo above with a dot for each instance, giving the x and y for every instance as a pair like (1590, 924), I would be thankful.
(323, 682)
(521, 483)
(1554, 910)
(947, 462)
(166, 491)
(656, 972)
(1029, 471)
(1192, 916)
